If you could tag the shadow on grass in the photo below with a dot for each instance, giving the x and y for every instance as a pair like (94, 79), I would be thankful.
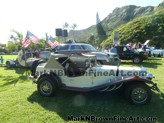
(153, 58)
(106, 104)
(150, 63)
(19, 70)
(9, 80)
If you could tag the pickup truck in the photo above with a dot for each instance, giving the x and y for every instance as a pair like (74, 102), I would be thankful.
(125, 53)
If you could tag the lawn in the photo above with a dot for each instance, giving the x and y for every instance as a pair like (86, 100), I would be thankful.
(6, 57)
(20, 102)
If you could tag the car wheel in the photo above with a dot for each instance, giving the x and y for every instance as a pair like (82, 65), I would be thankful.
(8, 65)
(138, 94)
(46, 86)
(34, 66)
(137, 60)
(159, 55)
(149, 54)
(154, 55)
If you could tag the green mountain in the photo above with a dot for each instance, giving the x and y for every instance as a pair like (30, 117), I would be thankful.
(147, 27)
(118, 17)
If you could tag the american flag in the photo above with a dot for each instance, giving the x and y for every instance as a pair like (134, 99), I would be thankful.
(25, 43)
(32, 37)
(52, 42)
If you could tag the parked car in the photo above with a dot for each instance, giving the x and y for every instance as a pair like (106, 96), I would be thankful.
(27, 58)
(61, 73)
(2, 53)
(147, 49)
(15, 53)
(24, 59)
(125, 53)
(78, 48)
(45, 55)
(157, 52)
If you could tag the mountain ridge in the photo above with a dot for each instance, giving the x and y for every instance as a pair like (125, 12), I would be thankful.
(119, 16)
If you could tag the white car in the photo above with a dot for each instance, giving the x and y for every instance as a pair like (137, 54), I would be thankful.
(23, 60)
(60, 72)
(158, 52)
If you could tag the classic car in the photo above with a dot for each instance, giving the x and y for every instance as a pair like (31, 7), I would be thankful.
(78, 48)
(125, 53)
(60, 72)
(26, 59)
(157, 52)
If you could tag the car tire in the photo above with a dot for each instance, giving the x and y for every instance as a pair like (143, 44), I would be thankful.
(149, 54)
(34, 66)
(8, 65)
(154, 55)
(138, 93)
(137, 60)
(47, 86)
(159, 55)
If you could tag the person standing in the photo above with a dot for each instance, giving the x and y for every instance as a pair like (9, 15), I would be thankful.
(1, 59)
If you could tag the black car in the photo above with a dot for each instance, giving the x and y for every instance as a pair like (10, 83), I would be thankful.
(125, 53)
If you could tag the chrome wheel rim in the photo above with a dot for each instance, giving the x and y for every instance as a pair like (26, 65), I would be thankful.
(139, 95)
(46, 88)
(136, 60)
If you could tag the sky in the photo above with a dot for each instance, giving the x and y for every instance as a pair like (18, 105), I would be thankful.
(44, 16)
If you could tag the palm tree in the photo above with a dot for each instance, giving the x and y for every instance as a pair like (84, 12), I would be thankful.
(73, 28)
(66, 25)
(18, 37)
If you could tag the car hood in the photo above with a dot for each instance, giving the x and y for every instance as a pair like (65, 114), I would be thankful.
(123, 71)
(104, 53)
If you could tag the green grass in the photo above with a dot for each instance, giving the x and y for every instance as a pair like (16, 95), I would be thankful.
(6, 57)
(20, 101)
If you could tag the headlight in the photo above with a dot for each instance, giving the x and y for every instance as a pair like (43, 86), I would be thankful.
(149, 75)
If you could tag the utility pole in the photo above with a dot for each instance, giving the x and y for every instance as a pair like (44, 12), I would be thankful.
(46, 40)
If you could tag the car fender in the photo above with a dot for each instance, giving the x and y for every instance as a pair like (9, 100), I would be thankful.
(137, 79)
(54, 76)
(136, 55)
(12, 62)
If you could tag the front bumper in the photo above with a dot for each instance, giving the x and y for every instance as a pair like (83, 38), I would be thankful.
(155, 87)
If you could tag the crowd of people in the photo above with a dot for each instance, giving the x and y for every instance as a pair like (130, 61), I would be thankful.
(132, 46)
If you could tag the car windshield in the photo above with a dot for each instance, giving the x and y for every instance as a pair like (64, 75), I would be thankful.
(62, 47)
(113, 50)
(88, 47)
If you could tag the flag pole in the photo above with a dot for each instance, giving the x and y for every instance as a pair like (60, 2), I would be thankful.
(24, 54)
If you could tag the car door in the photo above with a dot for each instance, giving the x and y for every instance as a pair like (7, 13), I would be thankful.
(121, 52)
(125, 53)
(80, 81)
(103, 74)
